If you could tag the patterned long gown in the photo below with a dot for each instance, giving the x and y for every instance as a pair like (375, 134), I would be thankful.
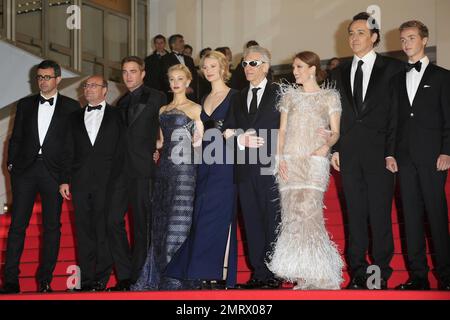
(172, 201)
(303, 252)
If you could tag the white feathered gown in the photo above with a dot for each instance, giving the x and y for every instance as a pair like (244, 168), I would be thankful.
(303, 251)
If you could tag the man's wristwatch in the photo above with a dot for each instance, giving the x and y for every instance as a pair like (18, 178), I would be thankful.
(10, 166)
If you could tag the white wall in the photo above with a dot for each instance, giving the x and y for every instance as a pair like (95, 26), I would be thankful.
(284, 26)
(443, 33)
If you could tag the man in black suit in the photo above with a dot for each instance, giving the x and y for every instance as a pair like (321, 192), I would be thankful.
(423, 156)
(365, 150)
(154, 65)
(34, 161)
(132, 176)
(176, 56)
(93, 135)
(255, 110)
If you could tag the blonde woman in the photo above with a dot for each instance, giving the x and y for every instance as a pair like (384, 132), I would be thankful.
(174, 183)
(209, 257)
(303, 252)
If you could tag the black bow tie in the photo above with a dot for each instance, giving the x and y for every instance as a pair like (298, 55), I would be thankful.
(417, 66)
(42, 100)
(179, 54)
(89, 108)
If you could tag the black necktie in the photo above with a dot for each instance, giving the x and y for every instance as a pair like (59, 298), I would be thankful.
(254, 102)
(417, 66)
(42, 100)
(89, 108)
(358, 87)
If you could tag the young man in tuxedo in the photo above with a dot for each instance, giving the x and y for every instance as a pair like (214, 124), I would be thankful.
(93, 135)
(255, 108)
(423, 156)
(364, 153)
(132, 173)
(176, 56)
(154, 65)
(34, 162)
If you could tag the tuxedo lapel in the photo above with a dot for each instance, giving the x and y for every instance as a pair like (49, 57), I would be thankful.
(372, 86)
(244, 105)
(425, 79)
(103, 126)
(83, 129)
(141, 106)
(264, 101)
(56, 115)
(346, 70)
(403, 91)
(34, 117)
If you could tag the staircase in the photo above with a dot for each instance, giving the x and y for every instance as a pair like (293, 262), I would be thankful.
(335, 222)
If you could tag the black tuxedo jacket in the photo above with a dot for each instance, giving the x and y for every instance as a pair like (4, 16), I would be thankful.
(367, 137)
(153, 71)
(139, 139)
(87, 166)
(424, 127)
(170, 60)
(24, 143)
(267, 117)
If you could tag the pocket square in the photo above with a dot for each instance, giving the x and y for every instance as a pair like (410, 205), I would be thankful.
(426, 86)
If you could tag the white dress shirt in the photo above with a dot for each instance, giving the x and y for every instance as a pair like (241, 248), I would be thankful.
(45, 115)
(259, 94)
(93, 121)
(369, 61)
(414, 77)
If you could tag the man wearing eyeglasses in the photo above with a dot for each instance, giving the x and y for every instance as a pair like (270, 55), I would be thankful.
(34, 162)
(255, 112)
(93, 135)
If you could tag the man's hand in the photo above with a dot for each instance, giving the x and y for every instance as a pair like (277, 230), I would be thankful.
(322, 151)
(250, 140)
(64, 190)
(391, 164)
(335, 161)
(229, 133)
(156, 156)
(443, 162)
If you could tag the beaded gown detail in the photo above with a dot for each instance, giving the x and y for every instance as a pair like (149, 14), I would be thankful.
(172, 201)
(303, 251)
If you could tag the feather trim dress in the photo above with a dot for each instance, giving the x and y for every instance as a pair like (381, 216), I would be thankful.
(303, 252)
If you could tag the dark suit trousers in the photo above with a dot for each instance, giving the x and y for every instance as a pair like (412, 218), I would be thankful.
(25, 186)
(94, 256)
(259, 201)
(369, 199)
(133, 193)
(423, 190)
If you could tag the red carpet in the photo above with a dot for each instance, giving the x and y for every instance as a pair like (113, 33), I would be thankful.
(335, 220)
(271, 295)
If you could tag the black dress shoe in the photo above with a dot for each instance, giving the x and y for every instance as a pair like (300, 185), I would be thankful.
(213, 285)
(44, 287)
(444, 286)
(414, 284)
(10, 288)
(357, 283)
(123, 285)
(271, 284)
(251, 284)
